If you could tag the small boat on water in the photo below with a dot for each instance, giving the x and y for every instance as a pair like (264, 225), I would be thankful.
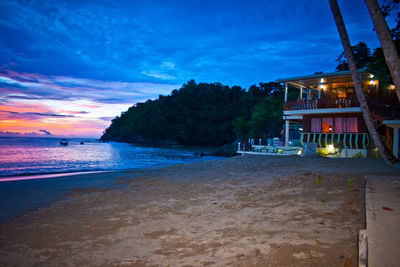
(64, 142)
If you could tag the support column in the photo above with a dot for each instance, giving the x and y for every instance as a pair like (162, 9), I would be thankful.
(319, 89)
(396, 142)
(286, 91)
(287, 133)
(301, 92)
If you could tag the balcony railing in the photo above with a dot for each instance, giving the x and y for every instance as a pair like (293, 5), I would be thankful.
(384, 111)
(325, 102)
(339, 140)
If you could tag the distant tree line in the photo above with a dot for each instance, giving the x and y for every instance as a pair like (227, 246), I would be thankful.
(202, 114)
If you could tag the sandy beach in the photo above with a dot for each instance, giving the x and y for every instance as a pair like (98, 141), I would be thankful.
(242, 211)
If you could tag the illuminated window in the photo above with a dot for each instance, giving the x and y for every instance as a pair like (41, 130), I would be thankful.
(327, 125)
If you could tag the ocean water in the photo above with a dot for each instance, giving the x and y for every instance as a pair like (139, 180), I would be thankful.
(25, 155)
(31, 156)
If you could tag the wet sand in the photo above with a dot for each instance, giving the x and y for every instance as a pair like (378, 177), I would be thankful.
(242, 211)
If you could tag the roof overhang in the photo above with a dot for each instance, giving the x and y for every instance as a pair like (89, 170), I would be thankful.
(319, 76)
(292, 117)
(321, 111)
(392, 123)
(315, 80)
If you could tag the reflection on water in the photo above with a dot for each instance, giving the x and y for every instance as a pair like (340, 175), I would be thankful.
(46, 155)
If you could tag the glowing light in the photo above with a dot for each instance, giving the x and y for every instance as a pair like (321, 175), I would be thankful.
(331, 147)
(371, 76)
(372, 82)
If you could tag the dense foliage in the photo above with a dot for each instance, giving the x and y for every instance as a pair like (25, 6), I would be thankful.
(202, 114)
(374, 62)
(362, 56)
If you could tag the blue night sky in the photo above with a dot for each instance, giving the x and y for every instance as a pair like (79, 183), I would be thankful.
(112, 54)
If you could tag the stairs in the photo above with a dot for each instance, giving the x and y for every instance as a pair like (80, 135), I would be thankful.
(377, 117)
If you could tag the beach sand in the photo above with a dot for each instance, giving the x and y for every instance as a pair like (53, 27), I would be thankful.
(242, 211)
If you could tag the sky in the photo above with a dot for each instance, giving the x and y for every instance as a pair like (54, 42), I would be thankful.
(68, 67)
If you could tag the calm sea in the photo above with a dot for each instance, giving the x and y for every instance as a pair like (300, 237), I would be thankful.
(39, 155)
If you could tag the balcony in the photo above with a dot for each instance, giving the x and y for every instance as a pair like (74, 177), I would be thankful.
(339, 102)
(339, 140)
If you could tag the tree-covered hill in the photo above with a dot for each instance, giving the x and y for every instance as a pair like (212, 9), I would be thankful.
(202, 114)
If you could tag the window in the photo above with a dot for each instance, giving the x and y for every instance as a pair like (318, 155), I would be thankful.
(351, 125)
(346, 125)
(334, 125)
(339, 124)
(315, 125)
(327, 125)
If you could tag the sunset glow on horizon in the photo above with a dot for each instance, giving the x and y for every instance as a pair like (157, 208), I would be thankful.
(32, 104)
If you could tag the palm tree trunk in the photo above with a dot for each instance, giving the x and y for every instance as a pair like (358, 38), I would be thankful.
(383, 150)
(389, 49)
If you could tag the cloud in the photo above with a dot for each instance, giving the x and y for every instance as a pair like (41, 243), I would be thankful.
(32, 86)
(106, 118)
(29, 115)
(18, 134)
(125, 40)
(158, 75)
(74, 112)
(45, 132)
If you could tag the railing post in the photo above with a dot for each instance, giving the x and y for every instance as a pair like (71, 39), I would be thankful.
(319, 140)
(356, 140)
(364, 146)
(301, 138)
(350, 141)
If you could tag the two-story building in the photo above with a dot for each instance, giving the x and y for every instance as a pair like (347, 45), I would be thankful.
(327, 112)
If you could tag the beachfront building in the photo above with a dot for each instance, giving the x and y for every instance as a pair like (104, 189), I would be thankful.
(324, 110)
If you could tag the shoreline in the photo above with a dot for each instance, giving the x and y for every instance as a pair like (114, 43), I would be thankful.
(44, 175)
(29, 176)
(246, 210)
